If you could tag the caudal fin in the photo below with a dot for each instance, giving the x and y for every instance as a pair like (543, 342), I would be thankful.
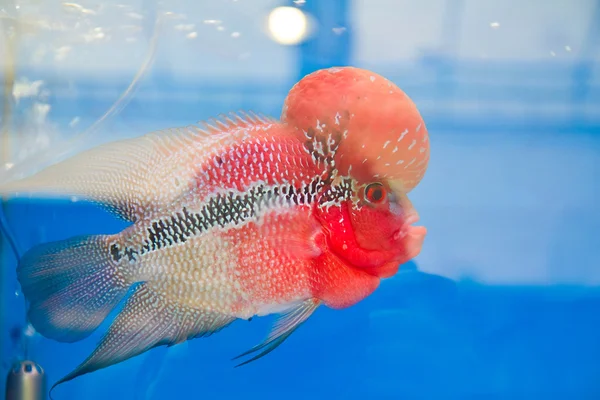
(72, 286)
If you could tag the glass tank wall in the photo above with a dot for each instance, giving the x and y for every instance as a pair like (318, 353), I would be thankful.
(502, 301)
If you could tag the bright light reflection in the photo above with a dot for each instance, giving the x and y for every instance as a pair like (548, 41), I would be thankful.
(287, 25)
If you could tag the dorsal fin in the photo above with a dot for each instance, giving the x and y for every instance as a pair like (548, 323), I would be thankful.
(233, 120)
(122, 174)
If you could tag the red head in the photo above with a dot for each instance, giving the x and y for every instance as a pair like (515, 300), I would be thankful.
(375, 143)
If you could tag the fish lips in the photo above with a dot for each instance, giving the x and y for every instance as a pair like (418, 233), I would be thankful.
(410, 237)
(406, 228)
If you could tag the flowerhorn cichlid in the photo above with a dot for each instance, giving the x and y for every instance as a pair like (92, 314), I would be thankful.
(245, 216)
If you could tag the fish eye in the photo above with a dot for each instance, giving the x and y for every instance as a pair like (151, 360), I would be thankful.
(375, 193)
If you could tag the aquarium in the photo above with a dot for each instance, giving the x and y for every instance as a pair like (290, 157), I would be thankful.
(502, 299)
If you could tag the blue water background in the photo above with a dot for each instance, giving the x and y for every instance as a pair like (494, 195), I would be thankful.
(503, 302)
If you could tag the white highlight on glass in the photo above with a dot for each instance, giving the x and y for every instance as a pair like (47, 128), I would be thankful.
(287, 25)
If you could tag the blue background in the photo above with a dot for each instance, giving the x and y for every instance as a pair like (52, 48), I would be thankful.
(504, 300)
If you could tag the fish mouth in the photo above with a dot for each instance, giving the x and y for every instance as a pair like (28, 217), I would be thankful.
(407, 227)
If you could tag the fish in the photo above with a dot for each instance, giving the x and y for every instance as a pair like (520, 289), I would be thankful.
(240, 216)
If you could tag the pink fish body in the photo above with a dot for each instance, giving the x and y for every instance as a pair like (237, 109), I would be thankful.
(248, 217)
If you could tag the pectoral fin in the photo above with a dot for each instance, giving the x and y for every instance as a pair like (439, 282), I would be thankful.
(286, 324)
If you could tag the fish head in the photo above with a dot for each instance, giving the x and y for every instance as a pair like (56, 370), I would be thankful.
(374, 142)
(372, 228)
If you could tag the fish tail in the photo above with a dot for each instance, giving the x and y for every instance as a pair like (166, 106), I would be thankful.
(71, 285)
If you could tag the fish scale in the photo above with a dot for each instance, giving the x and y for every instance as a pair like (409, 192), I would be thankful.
(219, 210)
(237, 217)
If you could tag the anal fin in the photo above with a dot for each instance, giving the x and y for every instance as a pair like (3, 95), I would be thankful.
(286, 324)
(148, 320)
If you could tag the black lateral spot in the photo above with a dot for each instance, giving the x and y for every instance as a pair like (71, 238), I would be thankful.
(131, 254)
(115, 252)
(224, 209)
(201, 223)
(314, 185)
